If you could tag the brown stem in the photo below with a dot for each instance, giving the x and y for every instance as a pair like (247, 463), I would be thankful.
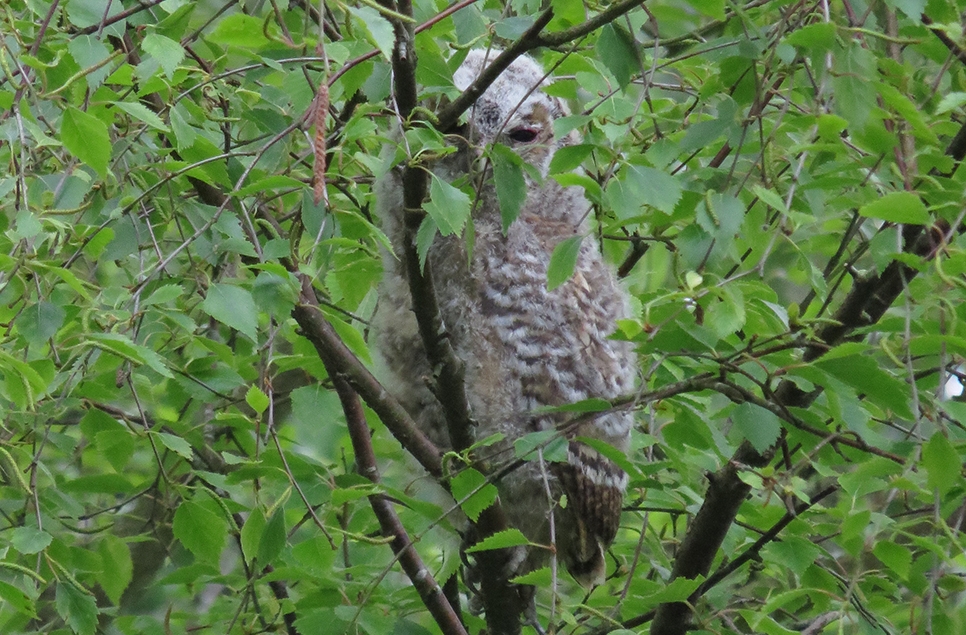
(422, 579)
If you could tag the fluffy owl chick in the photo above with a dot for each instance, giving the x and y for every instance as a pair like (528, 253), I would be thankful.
(524, 347)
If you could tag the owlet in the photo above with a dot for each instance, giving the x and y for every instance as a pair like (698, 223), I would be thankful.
(525, 347)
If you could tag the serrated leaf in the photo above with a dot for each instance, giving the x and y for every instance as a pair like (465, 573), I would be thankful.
(500, 540)
(123, 347)
(200, 530)
(165, 51)
(472, 486)
(553, 443)
(163, 295)
(819, 36)
(569, 158)
(378, 28)
(175, 444)
(39, 322)
(541, 578)
(950, 101)
(184, 133)
(511, 186)
(233, 306)
(273, 538)
(85, 136)
(770, 198)
(448, 206)
(896, 557)
(251, 533)
(794, 552)
(257, 399)
(29, 540)
(897, 207)
(88, 51)
(424, 240)
(759, 426)
(243, 31)
(76, 608)
(866, 376)
(942, 462)
(563, 260)
(618, 52)
(269, 183)
(118, 568)
(17, 599)
(140, 111)
(639, 185)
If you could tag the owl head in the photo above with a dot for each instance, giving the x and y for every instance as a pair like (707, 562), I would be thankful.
(513, 110)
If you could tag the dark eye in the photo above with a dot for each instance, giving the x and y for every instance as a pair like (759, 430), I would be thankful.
(523, 135)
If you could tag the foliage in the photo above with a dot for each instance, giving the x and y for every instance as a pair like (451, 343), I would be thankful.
(777, 182)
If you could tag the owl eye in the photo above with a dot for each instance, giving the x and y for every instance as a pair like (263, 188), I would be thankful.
(522, 135)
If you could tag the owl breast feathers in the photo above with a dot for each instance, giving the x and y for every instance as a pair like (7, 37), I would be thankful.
(524, 347)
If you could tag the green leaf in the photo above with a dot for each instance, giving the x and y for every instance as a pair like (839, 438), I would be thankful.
(233, 306)
(273, 538)
(184, 133)
(29, 540)
(175, 444)
(243, 31)
(794, 552)
(165, 51)
(425, 236)
(448, 206)
(78, 609)
(463, 485)
(770, 198)
(251, 533)
(943, 464)
(25, 385)
(377, 28)
(511, 186)
(123, 347)
(164, 294)
(118, 568)
(618, 52)
(141, 112)
(726, 312)
(85, 136)
(853, 83)
(866, 376)
(896, 557)
(711, 8)
(200, 530)
(819, 36)
(39, 322)
(569, 158)
(257, 399)
(912, 8)
(639, 185)
(17, 599)
(897, 207)
(562, 261)
(950, 101)
(88, 52)
(759, 426)
(500, 540)
(553, 443)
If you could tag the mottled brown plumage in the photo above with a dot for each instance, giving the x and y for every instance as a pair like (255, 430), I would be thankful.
(524, 347)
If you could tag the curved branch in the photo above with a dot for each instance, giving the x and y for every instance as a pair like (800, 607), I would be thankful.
(423, 581)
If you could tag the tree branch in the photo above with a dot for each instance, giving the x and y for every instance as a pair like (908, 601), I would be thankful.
(531, 39)
(423, 581)
(341, 362)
